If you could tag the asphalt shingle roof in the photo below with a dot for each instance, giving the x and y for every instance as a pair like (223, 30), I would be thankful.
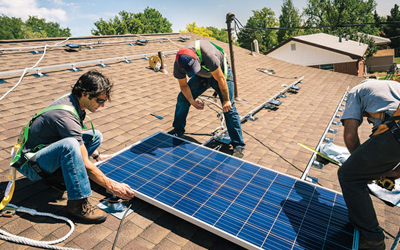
(271, 140)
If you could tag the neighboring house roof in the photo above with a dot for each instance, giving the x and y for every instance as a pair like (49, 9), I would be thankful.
(379, 40)
(329, 42)
(271, 140)
(384, 52)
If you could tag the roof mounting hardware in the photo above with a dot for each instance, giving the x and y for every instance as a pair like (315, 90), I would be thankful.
(141, 42)
(340, 110)
(336, 123)
(90, 47)
(282, 96)
(102, 65)
(127, 61)
(332, 131)
(302, 82)
(252, 118)
(317, 164)
(2, 81)
(145, 58)
(73, 46)
(161, 41)
(338, 116)
(183, 39)
(271, 107)
(224, 138)
(328, 140)
(311, 179)
(74, 69)
(34, 52)
(39, 74)
(275, 102)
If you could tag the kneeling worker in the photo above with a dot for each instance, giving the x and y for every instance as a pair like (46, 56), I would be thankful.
(206, 65)
(57, 138)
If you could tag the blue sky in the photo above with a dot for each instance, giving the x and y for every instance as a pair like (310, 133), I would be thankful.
(80, 16)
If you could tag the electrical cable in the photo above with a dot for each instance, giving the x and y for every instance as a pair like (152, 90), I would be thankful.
(271, 72)
(319, 27)
(119, 227)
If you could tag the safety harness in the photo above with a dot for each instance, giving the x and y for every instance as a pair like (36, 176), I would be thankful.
(198, 51)
(20, 158)
(388, 122)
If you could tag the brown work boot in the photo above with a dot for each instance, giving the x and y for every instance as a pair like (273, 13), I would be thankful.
(83, 210)
(371, 245)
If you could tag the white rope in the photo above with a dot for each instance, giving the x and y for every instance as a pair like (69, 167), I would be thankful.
(43, 244)
(23, 74)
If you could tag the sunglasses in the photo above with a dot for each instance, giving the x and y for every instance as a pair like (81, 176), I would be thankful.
(98, 100)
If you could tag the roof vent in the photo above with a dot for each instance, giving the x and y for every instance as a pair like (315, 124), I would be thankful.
(340, 38)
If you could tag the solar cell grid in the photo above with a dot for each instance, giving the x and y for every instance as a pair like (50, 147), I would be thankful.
(250, 205)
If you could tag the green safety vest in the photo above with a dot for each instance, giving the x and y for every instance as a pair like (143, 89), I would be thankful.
(18, 161)
(197, 47)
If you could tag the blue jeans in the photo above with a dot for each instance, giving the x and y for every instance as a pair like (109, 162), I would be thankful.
(66, 154)
(198, 85)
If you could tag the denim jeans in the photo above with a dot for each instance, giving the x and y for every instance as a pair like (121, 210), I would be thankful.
(378, 155)
(198, 85)
(66, 154)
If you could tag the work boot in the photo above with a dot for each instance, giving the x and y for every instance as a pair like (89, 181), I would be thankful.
(238, 152)
(371, 245)
(82, 209)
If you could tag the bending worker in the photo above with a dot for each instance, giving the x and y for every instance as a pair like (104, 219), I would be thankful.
(206, 66)
(60, 144)
(375, 158)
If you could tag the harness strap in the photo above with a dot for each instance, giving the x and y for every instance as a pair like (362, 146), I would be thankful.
(198, 50)
(389, 123)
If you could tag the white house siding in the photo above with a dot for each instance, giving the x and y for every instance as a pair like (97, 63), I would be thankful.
(307, 55)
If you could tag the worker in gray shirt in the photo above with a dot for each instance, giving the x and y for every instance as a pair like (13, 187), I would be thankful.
(206, 66)
(56, 144)
(376, 158)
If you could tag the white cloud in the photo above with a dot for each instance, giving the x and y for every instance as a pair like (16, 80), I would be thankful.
(26, 8)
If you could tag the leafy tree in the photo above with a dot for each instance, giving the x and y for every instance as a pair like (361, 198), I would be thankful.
(290, 17)
(392, 31)
(220, 34)
(255, 29)
(10, 28)
(36, 27)
(149, 22)
(336, 13)
(15, 28)
(193, 28)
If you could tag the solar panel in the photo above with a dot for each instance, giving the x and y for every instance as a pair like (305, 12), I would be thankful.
(250, 205)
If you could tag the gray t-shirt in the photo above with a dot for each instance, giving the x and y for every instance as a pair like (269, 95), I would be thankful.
(372, 96)
(212, 59)
(56, 124)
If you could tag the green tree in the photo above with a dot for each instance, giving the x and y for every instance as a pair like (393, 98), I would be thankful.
(149, 22)
(193, 28)
(341, 12)
(255, 28)
(220, 34)
(15, 28)
(10, 28)
(392, 31)
(290, 17)
(36, 27)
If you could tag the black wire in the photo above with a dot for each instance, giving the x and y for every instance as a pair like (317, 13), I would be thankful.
(318, 27)
(270, 149)
(119, 227)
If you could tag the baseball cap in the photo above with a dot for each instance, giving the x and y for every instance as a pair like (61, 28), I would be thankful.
(186, 60)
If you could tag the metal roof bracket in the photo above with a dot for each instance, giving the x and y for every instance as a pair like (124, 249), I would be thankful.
(39, 74)
(2, 81)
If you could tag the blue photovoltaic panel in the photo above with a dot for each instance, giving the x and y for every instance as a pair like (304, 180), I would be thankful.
(250, 205)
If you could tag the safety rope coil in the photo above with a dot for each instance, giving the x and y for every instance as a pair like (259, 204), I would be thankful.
(43, 244)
